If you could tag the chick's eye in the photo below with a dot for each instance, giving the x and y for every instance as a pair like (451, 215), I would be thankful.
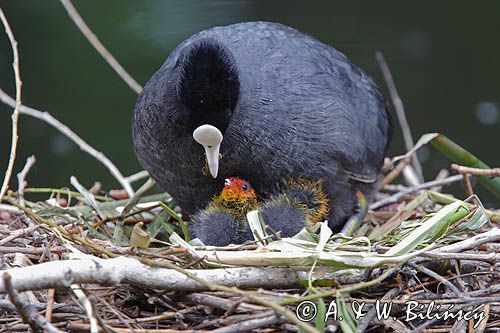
(244, 187)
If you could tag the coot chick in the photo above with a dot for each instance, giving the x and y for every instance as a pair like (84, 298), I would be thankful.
(223, 221)
(279, 105)
(302, 203)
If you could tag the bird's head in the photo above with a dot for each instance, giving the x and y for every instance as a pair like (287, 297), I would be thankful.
(237, 196)
(237, 190)
(208, 88)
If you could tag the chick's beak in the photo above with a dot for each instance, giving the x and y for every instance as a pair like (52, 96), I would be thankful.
(210, 138)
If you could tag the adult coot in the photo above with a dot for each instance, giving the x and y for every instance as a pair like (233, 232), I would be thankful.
(286, 106)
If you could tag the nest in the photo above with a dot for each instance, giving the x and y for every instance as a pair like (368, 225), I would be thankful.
(86, 259)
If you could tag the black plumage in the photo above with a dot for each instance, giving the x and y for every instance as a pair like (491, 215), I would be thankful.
(287, 105)
(300, 204)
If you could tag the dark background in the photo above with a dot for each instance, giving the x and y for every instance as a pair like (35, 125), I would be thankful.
(445, 57)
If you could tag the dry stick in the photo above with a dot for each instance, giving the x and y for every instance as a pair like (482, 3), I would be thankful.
(491, 236)
(344, 289)
(395, 172)
(495, 172)
(467, 184)
(49, 119)
(442, 174)
(137, 176)
(30, 250)
(370, 315)
(50, 299)
(248, 325)
(395, 197)
(21, 178)
(18, 233)
(29, 314)
(94, 41)
(115, 311)
(439, 278)
(61, 230)
(400, 111)
(15, 113)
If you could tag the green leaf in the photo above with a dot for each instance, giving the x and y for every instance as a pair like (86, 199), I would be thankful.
(348, 322)
(174, 215)
(320, 317)
(431, 228)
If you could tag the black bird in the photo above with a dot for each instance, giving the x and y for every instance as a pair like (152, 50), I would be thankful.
(281, 105)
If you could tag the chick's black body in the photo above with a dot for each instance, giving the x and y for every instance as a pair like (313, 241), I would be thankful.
(288, 106)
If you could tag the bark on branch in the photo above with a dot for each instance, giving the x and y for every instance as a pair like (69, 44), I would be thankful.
(111, 272)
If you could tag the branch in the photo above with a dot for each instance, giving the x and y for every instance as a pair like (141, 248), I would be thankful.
(400, 111)
(137, 176)
(490, 236)
(111, 272)
(28, 312)
(94, 41)
(49, 119)
(15, 113)
(495, 172)
(395, 197)
(21, 178)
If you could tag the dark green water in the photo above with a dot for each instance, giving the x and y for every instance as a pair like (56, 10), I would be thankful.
(445, 56)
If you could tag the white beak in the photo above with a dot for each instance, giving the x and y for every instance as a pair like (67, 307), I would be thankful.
(210, 138)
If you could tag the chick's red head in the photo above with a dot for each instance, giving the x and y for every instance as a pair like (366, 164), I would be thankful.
(237, 190)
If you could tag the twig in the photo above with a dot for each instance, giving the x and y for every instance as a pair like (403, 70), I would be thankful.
(61, 230)
(49, 119)
(50, 299)
(344, 289)
(442, 174)
(99, 47)
(30, 250)
(249, 325)
(100, 320)
(26, 310)
(395, 172)
(15, 113)
(437, 277)
(137, 176)
(367, 319)
(115, 311)
(21, 178)
(395, 197)
(90, 310)
(221, 303)
(495, 172)
(487, 257)
(468, 185)
(492, 235)
(18, 233)
(400, 111)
